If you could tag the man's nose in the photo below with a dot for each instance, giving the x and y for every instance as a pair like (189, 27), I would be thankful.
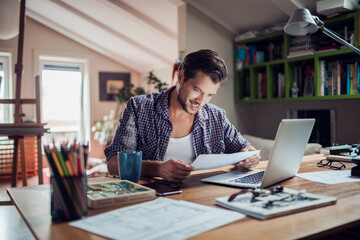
(201, 98)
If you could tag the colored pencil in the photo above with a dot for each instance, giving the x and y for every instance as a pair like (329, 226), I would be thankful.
(69, 165)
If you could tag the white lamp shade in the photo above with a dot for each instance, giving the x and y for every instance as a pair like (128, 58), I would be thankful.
(9, 19)
(301, 23)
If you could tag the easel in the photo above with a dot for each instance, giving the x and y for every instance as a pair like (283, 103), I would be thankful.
(18, 130)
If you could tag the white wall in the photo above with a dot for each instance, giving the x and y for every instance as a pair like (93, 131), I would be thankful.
(39, 38)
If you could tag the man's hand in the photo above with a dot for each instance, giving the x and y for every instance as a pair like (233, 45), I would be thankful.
(251, 161)
(175, 170)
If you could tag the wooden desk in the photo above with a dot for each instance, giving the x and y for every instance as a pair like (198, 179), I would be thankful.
(12, 225)
(34, 205)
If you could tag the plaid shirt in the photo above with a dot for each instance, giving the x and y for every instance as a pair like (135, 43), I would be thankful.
(145, 125)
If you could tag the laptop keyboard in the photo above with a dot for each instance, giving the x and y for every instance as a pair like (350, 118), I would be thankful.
(251, 179)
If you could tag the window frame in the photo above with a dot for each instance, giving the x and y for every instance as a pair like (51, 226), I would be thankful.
(6, 59)
(83, 64)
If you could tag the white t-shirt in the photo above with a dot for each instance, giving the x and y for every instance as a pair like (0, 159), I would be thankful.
(180, 149)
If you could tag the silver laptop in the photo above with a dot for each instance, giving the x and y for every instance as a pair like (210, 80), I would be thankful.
(284, 161)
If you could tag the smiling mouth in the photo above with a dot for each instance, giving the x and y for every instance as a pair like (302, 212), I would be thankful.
(194, 106)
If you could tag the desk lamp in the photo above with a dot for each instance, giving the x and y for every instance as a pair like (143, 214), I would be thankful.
(303, 23)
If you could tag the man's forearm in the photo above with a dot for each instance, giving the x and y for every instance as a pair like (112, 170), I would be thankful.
(148, 168)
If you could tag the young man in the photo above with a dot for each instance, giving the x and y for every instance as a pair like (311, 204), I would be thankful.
(171, 128)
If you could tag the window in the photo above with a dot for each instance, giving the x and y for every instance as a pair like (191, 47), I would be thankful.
(64, 104)
(6, 87)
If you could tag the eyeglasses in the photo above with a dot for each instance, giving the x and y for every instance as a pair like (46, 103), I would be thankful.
(273, 198)
(286, 200)
(257, 192)
(335, 165)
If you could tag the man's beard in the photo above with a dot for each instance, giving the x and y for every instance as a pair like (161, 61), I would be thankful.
(183, 104)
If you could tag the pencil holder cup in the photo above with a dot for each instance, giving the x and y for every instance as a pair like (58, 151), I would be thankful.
(130, 165)
(68, 197)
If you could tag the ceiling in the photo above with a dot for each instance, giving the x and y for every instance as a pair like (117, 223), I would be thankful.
(143, 34)
(240, 16)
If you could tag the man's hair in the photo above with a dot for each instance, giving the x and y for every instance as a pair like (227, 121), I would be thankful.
(206, 61)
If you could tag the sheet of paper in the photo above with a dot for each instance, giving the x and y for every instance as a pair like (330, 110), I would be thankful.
(330, 177)
(160, 219)
(209, 161)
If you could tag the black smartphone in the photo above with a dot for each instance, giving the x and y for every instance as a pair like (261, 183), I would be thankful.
(163, 189)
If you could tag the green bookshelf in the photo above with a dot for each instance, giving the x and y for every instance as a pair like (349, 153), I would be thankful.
(320, 75)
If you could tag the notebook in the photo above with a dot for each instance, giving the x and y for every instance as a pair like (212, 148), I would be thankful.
(284, 161)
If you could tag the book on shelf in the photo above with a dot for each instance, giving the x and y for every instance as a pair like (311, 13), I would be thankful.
(260, 56)
(309, 86)
(304, 45)
(245, 75)
(349, 78)
(322, 76)
(270, 205)
(339, 77)
(305, 40)
(300, 53)
(249, 54)
(274, 51)
(355, 83)
(262, 85)
(298, 73)
(304, 77)
(106, 192)
(327, 48)
(240, 57)
(247, 35)
(302, 48)
(279, 85)
(330, 78)
(352, 78)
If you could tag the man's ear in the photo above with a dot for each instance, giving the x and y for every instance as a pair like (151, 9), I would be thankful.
(181, 76)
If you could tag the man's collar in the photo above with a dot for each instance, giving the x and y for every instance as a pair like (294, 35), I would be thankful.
(162, 106)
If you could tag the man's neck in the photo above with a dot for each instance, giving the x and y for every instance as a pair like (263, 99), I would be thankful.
(175, 108)
(182, 121)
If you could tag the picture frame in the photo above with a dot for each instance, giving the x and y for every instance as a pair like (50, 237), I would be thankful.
(110, 83)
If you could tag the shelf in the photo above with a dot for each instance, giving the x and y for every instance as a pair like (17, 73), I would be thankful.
(289, 99)
(276, 74)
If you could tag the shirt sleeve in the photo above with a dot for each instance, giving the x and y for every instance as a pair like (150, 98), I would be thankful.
(125, 137)
(233, 139)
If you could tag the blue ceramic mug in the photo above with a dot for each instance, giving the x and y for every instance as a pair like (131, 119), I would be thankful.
(130, 165)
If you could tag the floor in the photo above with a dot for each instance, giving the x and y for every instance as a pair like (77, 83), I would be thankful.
(6, 183)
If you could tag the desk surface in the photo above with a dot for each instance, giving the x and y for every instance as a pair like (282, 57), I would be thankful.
(33, 204)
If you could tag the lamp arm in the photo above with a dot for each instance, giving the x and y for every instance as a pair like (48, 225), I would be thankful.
(338, 39)
(333, 35)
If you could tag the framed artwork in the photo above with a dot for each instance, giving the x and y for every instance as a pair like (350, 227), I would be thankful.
(110, 83)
